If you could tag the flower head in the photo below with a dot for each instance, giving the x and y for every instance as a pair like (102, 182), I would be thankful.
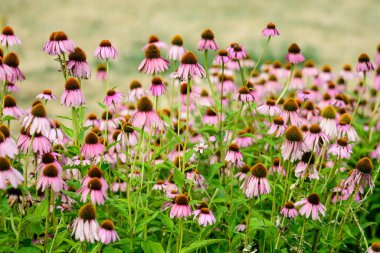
(106, 51)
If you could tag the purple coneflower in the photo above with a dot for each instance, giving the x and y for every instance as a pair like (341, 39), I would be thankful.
(131, 136)
(11, 108)
(234, 155)
(206, 217)
(73, 96)
(181, 207)
(315, 138)
(210, 117)
(159, 186)
(8, 174)
(243, 171)
(364, 64)
(153, 63)
(289, 210)
(375, 247)
(256, 183)
(154, 40)
(290, 112)
(328, 122)
(145, 116)
(222, 57)
(50, 178)
(136, 91)
(92, 120)
(6, 73)
(113, 98)
(346, 129)
(361, 176)
(12, 61)
(107, 233)
(207, 41)
(306, 167)
(269, 108)
(189, 67)
(77, 64)
(58, 44)
(118, 185)
(242, 140)
(237, 52)
(270, 30)
(176, 50)
(46, 95)
(294, 146)
(95, 172)
(157, 87)
(94, 189)
(309, 69)
(85, 227)
(277, 167)
(245, 95)
(311, 205)
(37, 122)
(56, 134)
(294, 55)
(92, 148)
(101, 73)
(8, 38)
(105, 51)
(278, 126)
(241, 227)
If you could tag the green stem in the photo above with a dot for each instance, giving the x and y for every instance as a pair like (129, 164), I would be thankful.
(187, 121)
(47, 220)
(221, 117)
(261, 55)
(287, 84)
(360, 96)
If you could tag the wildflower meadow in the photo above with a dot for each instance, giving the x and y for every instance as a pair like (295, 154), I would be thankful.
(219, 151)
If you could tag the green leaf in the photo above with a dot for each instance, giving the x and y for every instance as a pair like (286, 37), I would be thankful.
(152, 247)
(201, 244)
(178, 178)
(68, 131)
(146, 221)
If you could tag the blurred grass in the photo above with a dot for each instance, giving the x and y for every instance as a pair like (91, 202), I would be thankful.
(334, 32)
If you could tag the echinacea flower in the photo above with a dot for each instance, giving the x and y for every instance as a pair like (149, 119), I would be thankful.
(294, 146)
(278, 126)
(58, 44)
(146, 117)
(346, 129)
(37, 122)
(46, 95)
(113, 98)
(107, 233)
(189, 67)
(256, 183)
(181, 207)
(245, 95)
(92, 120)
(237, 52)
(311, 205)
(328, 122)
(159, 186)
(290, 112)
(131, 136)
(374, 248)
(101, 73)
(289, 210)
(210, 117)
(50, 177)
(277, 167)
(315, 138)
(157, 87)
(73, 96)
(153, 63)
(46, 159)
(92, 148)
(118, 185)
(364, 64)
(294, 54)
(234, 155)
(105, 51)
(8, 174)
(95, 172)
(243, 171)
(305, 167)
(85, 227)
(12, 61)
(222, 57)
(6, 73)
(242, 140)
(77, 64)
(94, 189)
(270, 30)
(269, 108)
(11, 108)
(207, 41)
(56, 134)
(361, 176)
(309, 69)
(241, 227)
(205, 216)
(154, 40)
(8, 38)
(176, 50)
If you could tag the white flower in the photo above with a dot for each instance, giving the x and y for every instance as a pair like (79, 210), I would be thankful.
(200, 147)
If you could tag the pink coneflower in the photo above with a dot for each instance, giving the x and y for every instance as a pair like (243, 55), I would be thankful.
(346, 73)
(145, 116)
(157, 87)
(56, 134)
(189, 67)
(205, 99)
(245, 95)
(73, 96)
(376, 84)
(237, 52)
(289, 210)
(77, 64)
(328, 122)
(278, 126)
(361, 176)
(294, 55)
(207, 41)
(12, 61)
(8, 38)
(105, 51)
(311, 205)
(243, 172)
(107, 233)
(101, 73)
(40, 145)
(241, 227)
(269, 108)
(85, 227)
(294, 146)
(94, 189)
(306, 167)
(206, 217)
(118, 185)
(37, 122)
(222, 57)
(7, 141)
(315, 138)
(130, 135)
(277, 167)
(92, 148)
(304, 95)
(153, 62)
(181, 207)
(159, 186)
(270, 30)
(375, 247)
(92, 120)
(8, 174)
(154, 40)
(242, 140)
(364, 64)
(136, 91)
(11, 87)
(229, 85)
(46, 95)
(234, 155)
(340, 101)
(310, 113)
(210, 117)
(290, 112)
(176, 50)
(346, 129)
(256, 183)
(309, 69)
(341, 148)
(6, 73)
(95, 172)
(58, 44)
(11, 108)
(113, 98)
(46, 159)
(50, 177)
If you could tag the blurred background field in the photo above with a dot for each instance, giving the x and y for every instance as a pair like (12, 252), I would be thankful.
(332, 32)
